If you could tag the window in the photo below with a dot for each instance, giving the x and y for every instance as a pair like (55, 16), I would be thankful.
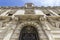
(10, 14)
(48, 14)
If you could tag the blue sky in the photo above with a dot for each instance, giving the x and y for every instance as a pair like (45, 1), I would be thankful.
(36, 2)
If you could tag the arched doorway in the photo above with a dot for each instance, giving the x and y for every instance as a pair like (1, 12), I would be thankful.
(29, 33)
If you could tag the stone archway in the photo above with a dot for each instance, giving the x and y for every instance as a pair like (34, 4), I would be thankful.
(34, 24)
(29, 33)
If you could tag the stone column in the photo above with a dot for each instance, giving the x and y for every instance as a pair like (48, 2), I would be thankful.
(46, 30)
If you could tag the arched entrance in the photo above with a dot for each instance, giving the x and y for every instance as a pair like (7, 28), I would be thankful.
(29, 33)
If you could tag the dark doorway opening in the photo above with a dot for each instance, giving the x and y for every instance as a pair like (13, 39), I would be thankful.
(29, 33)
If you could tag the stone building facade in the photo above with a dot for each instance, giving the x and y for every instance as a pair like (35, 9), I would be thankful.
(29, 22)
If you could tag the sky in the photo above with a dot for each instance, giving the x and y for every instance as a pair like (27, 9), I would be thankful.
(35, 2)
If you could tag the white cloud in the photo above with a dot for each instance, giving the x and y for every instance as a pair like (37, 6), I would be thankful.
(44, 2)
